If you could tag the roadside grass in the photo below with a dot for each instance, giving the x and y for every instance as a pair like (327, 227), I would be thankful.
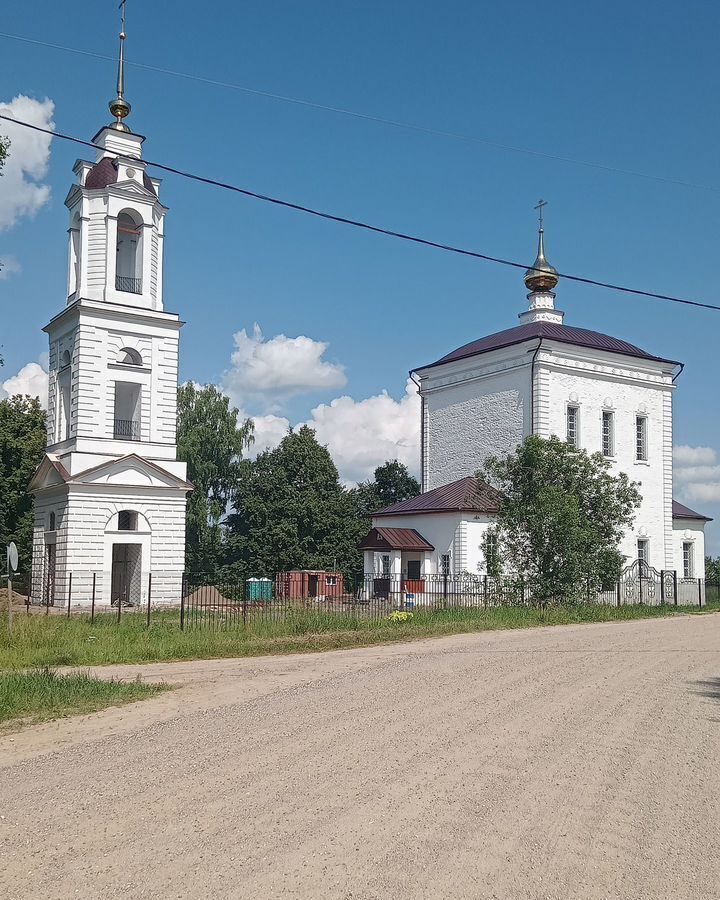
(29, 697)
(39, 641)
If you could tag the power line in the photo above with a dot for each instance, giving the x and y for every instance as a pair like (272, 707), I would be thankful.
(409, 126)
(377, 229)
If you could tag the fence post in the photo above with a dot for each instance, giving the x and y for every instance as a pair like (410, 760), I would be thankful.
(120, 599)
(182, 604)
(699, 591)
(92, 604)
(149, 597)
(47, 592)
(588, 590)
(69, 593)
(662, 587)
(618, 592)
(675, 586)
(640, 573)
(485, 584)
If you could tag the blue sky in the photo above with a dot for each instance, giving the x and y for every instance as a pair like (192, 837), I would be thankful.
(623, 85)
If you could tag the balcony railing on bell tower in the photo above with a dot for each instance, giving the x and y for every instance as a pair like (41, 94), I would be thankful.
(128, 285)
(126, 430)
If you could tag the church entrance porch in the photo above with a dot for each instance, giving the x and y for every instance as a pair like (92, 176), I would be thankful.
(126, 575)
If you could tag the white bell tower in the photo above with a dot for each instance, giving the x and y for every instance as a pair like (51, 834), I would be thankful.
(110, 494)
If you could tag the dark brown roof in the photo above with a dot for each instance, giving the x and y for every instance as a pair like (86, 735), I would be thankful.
(465, 495)
(394, 539)
(105, 173)
(581, 337)
(680, 511)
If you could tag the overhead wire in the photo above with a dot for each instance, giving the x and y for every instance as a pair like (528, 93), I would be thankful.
(377, 229)
(382, 120)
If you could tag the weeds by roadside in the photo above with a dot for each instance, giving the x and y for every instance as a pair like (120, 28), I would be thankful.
(39, 641)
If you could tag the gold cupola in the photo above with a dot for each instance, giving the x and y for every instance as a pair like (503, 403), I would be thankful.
(541, 276)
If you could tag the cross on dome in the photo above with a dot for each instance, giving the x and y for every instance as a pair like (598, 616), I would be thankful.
(541, 276)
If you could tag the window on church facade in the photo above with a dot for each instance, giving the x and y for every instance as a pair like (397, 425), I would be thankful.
(643, 552)
(688, 560)
(573, 426)
(608, 433)
(130, 357)
(126, 420)
(641, 450)
(385, 564)
(445, 564)
(127, 520)
(128, 262)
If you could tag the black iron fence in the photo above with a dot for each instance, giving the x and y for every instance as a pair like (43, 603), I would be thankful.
(192, 602)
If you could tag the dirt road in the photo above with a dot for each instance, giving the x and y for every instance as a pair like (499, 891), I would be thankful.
(573, 762)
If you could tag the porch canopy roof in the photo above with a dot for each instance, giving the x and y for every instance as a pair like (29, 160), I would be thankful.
(394, 539)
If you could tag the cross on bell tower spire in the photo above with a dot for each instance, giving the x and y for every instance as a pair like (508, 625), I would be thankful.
(120, 107)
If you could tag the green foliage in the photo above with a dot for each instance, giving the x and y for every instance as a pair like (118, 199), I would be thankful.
(291, 512)
(562, 516)
(712, 569)
(490, 546)
(391, 483)
(22, 444)
(212, 443)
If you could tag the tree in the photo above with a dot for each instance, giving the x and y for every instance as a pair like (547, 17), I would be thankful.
(391, 483)
(712, 569)
(561, 517)
(291, 512)
(212, 443)
(22, 444)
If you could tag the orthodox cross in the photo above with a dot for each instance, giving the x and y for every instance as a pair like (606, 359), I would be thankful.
(539, 207)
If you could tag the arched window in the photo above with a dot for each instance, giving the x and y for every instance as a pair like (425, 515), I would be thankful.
(74, 261)
(128, 263)
(130, 357)
(65, 359)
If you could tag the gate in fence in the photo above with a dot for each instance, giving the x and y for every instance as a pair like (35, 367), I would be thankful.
(642, 583)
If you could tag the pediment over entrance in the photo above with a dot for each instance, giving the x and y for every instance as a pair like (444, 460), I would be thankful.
(131, 471)
(50, 473)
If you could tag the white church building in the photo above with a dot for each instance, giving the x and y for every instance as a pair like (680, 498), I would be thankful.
(544, 378)
(110, 492)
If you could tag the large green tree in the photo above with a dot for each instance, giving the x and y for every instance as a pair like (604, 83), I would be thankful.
(391, 483)
(212, 443)
(291, 512)
(22, 443)
(712, 569)
(561, 517)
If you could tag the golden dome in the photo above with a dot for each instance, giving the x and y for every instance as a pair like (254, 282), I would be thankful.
(541, 276)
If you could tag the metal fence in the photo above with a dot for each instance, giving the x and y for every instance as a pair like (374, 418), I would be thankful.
(199, 603)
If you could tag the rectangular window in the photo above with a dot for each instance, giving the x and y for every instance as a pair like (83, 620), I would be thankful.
(413, 569)
(445, 564)
(126, 423)
(641, 450)
(688, 560)
(608, 433)
(643, 552)
(386, 564)
(573, 425)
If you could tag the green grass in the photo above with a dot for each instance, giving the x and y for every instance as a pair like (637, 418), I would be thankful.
(38, 641)
(43, 694)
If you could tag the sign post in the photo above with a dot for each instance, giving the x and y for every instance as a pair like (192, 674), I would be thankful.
(12, 564)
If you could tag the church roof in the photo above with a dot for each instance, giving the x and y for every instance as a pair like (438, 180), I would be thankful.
(581, 337)
(465, 495)
(680, 511)
(105, 173)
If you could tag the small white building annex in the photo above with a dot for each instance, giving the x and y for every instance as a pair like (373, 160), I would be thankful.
(110, 493)
(544, 378)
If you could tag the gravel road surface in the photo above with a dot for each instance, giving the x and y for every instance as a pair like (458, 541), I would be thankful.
(559, 763)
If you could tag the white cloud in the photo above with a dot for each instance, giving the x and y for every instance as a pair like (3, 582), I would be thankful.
(21, 190)
(697, 474)
(9, 266)
(278, 368)
(32, 379)
(363, 434)
(269, 431)
(683, 455)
